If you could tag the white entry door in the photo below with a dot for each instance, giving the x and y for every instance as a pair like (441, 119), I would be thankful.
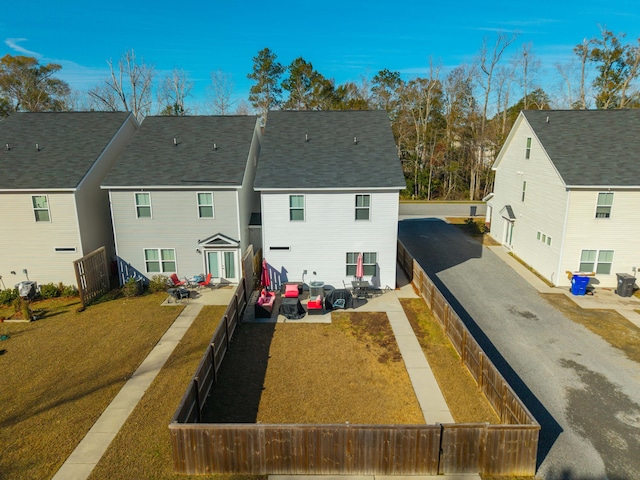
(222, 265)
(508, 233)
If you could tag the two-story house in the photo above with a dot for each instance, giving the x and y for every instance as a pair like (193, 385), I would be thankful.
(52, 210)
(182, 196)
(567, 192)
(329, 184)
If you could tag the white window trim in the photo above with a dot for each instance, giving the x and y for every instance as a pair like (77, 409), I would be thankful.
(159, 250)
(524, 189)
(527, 149)
(48, 209)
(600, 206)
(304, 207)
(135, 201)
(198, 205)
(596, 261)
(355, 263)
(368, 219)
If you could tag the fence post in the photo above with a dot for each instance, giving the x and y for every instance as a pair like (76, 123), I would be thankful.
(481, 376)
(226, 330)
(212, 347)
(196, 383)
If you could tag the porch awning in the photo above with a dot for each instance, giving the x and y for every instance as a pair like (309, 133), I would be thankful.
(507, 212)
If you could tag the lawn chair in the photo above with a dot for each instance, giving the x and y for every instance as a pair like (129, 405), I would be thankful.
(176, 281)
(206, 282)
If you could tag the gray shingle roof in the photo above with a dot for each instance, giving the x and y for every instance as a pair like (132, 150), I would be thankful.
(330, 158)
(69, 144)
(591, 147)
(152, 159)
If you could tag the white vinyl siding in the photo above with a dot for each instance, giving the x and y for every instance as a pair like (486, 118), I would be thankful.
(41, 208)
(31, 245)
(175, 225)
(143, 205)
(546, 201)
(205, 204)
(319, 244)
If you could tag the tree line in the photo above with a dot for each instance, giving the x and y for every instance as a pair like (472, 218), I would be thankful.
(448, 125)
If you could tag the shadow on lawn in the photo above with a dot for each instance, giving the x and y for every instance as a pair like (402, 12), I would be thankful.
(236, 396)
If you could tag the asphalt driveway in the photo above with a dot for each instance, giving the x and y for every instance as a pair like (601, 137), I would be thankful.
(584, 393)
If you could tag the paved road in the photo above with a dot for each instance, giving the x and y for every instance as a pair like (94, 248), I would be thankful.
(584, 393)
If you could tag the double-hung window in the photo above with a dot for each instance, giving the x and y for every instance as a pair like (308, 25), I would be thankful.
(363, 205)
(296, 207)
(527, 151)
(524, 189)
(598, 261)
(205, 205)
(369, 263)
(160, 260)
(41, 208)
(603, 208)
(143, 205)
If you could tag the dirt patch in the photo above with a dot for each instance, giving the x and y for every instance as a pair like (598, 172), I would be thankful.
(608, 324)
(465, 401)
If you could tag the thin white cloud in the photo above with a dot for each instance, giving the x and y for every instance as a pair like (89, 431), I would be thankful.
(12, 43)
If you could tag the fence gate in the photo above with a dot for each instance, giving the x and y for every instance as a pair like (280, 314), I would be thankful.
(92, 275)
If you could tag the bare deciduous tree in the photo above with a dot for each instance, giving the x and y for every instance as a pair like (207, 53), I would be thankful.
(172, 92)
(219, 93)
(128, 87)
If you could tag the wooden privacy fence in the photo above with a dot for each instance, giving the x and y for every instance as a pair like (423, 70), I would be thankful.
(257, 449)
(92, 275)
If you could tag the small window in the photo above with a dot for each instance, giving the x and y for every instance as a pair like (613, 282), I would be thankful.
(205, 205)
(363, 203)
(143, 205)
(41, 208)
(527, 152)
(605, 201)
(524, 189)
(538, 235)
(549, 241)
(160, 260)
(296, 207)
(544, 238)
(369, 260)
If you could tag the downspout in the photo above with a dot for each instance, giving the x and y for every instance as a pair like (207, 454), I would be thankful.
(564, 237)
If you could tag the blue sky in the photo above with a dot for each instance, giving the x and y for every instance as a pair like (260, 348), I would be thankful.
(344, 40)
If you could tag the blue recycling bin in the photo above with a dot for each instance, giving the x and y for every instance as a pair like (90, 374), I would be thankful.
(579, 284)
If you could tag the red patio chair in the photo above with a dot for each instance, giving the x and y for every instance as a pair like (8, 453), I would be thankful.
(206, 281)
(176, 281)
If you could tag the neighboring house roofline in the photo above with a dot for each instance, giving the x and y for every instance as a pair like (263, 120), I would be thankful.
(202, 186)
(116, 137)
(332, 189)
(43, 190)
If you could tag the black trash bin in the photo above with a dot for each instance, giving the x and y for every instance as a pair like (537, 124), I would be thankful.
(625, 284)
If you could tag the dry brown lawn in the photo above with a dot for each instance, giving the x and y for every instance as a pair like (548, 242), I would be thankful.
(60, 372)
(465, 401)
(142, 448)
(348, 371)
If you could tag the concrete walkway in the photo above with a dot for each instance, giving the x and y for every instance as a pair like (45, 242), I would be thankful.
(603, 298)
(87, 454)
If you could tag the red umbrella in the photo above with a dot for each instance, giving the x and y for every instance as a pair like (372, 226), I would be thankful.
(360, 266)
(264, 277)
